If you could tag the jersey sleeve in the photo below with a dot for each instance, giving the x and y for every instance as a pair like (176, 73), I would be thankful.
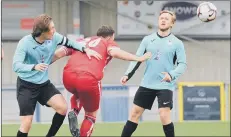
(67, 51)
(19, 57)
(112, 45)
(181, 62)
(135, 65)
(62, 40)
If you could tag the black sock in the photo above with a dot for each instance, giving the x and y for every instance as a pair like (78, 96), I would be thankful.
(20, 134)
(56, 124)
(129, 128)
(169, 130)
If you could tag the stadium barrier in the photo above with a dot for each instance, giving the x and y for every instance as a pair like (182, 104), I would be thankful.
(192, 102)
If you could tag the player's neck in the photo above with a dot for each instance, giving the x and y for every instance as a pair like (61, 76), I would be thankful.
(39, 39)
(164, 33)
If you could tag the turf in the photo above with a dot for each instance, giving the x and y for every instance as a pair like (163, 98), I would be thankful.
(144, 129)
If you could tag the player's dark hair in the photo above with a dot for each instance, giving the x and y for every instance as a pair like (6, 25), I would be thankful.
(41, 24)
(105, 31)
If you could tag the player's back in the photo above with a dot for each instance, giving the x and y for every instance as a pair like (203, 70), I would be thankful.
(79, 62)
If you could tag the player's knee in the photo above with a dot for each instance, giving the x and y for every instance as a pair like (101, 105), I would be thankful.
(94, 113)
(164, 114)
(135, 115)
(62, 108)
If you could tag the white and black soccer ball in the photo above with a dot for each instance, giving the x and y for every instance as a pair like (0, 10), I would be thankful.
(206, 11)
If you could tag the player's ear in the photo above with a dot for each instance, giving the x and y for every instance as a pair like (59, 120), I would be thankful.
(172, 24)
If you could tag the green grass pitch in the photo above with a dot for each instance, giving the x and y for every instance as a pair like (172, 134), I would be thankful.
(144, 129)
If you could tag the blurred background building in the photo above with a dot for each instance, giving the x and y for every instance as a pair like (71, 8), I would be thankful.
(207, 47)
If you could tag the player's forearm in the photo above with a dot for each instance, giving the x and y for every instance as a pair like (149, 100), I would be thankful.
(132, 69)
(59, 53)
(55, 58)
(62, 40)
(18, 61)
(121, 54)
(181, 59)
(75, 45)
(178, 71)
(19, 67)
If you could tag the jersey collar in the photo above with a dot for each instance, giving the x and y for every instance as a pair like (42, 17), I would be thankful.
(36, 40)
(162, 36)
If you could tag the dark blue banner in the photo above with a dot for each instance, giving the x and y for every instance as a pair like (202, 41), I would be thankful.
(201, 103)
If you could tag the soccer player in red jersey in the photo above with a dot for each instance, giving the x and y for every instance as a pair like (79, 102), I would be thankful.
(82, 76)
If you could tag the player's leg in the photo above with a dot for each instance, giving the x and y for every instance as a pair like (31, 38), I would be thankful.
(51, 97)
(90, 100)
(76, 105)
(27, 98)
(69, 80)
(89, 95)
(165, 104)
(144, 99)
(72, 115)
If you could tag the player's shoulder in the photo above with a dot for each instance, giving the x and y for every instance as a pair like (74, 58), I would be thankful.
(150, 37)
(26, 39)
(111, 43)
(176, 40)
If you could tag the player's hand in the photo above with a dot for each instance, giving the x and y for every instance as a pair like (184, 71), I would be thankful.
(146, 56)
(41, 67)
(91, 53)
(123, 80)
(167, 77)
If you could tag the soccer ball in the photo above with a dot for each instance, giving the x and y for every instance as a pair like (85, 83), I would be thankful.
(206, 11)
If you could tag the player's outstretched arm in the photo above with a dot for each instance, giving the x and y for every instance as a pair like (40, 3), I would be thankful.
(181, 62)
(61, 52)
(19, 57)
(121, 54)
(62, 40)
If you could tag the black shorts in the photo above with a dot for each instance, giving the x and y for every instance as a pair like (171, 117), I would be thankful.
(29, 93)
(145, 97)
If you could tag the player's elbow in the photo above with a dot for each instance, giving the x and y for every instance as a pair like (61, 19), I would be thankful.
(15, 67)
(184, 65)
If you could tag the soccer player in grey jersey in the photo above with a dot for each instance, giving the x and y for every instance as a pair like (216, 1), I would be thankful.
(160, 74)
(32, 57)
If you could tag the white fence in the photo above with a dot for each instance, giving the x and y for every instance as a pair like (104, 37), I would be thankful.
(116, 102)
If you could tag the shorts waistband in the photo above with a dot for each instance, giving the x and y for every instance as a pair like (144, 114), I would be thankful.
(32, 84)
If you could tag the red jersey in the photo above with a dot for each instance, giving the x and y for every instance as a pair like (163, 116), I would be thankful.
(79, 61)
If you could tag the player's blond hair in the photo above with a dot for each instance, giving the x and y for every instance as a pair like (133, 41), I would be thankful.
(171, 13)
